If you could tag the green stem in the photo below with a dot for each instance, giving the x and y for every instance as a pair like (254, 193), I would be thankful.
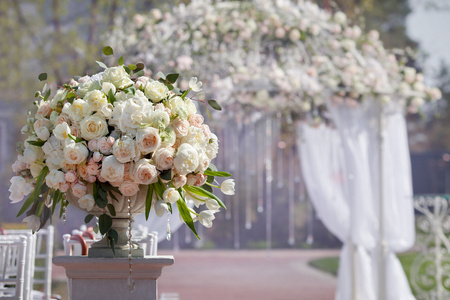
(210, 184)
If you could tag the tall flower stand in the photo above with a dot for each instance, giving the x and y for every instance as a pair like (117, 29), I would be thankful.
(107, 278)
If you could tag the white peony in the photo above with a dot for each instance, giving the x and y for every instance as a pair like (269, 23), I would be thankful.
(156, 91)
(54, 178)
(19, 188)
(75, 153)
(86, 202)
(118, 77)
(186, 159)
(93, 127)
(112, 169)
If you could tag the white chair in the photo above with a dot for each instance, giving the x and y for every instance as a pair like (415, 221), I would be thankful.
(13, 254)
(30, 256)
(149, 243)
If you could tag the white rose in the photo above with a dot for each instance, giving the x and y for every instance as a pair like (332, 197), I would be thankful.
(129, 188)
(86, 202)
(77, 110)
(206, 217)
(54, 179)
(156, 91)
(86, 84)
(112, 169)
(148, 140)
(93, 127)
(117, 76)
(163, 158)
(96, 99)
(19, 188)
(160, 119)
(75, 153)
(144, 172)
(181, 127)
(106, 111)
(125, 149)
(33, 222)
(171, 195)
(186, 159)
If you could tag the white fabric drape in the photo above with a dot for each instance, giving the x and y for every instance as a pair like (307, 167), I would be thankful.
(341, 171)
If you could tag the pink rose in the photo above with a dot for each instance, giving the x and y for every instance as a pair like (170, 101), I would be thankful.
(79, 189)
(92, 178)
(129, 188)
(181, 127)
(200, 179)
(64, 187)
(92, 169)
(144, 172)
(179, 181)
(104, 144)
(196, 120)
(191, 179)
(70, 176)
(82, 171)
(163, 158)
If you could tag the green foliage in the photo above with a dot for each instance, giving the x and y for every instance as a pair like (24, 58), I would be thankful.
(33, 198)
(107, 50)
(42, 76)
(214, 104)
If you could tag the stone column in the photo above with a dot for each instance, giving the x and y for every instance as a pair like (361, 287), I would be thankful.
(107, 278)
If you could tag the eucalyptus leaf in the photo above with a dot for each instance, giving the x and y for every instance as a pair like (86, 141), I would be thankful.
(214, 104)
(112, 209)
(140, 73)
(104, 223)
(140, 66)
(107, 50)
(120, 61)
(42, 76)
(88, 218)
(172, 78)
(102, 65)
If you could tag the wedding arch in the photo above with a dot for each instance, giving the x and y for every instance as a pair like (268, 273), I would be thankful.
(278, 63)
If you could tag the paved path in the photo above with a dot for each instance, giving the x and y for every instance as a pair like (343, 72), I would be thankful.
(247, 275)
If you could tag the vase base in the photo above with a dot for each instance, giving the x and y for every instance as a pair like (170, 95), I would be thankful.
(119, 252)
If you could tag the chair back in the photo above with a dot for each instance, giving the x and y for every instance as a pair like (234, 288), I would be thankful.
(13, 256)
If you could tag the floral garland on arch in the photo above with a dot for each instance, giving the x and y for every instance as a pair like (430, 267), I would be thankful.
(274, 55)
(120, 132)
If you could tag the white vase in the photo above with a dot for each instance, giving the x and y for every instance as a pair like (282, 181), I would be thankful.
(102, 248)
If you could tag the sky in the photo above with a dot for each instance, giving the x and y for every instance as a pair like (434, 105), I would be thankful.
(431, 28)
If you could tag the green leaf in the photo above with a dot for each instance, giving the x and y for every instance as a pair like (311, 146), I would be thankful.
(107, 50)
(166, 174)
(140, 66)
(42, 76)
(148, 200)
(132, 67)
(104, 223)
(111, 98)
(186, 215)
(161, 75)
(101, 200)
(70, 97)
(101, 64)
(76, 139)
(185, 93)
(214, 104)
(47, 94)
(130, 89)
(112, 209)
(112, 233)
(57, 196)
(35, 194)
(207, 187)
(159, 188)
(172, 77)
(210, 179)
(88, 218)
(204, 193)
(217, 173)
(140, 73)
(127, 69)
(120, 60)
(111, 194)
(37, 143)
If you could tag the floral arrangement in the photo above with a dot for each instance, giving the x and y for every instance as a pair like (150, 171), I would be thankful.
(272, 55)
(118, 132)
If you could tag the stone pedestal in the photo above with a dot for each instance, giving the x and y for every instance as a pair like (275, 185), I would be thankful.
(107, 278)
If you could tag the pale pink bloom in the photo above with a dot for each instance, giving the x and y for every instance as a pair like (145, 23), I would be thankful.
(79, 189)
(70, 176)
(64, 187)
(97, 156)
(93, 145)
(179, 181)
(196, 120)
(200, 179)
(129, 188)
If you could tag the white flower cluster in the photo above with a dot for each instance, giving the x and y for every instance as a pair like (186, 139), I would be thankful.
(273, 55)
(110, 129)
